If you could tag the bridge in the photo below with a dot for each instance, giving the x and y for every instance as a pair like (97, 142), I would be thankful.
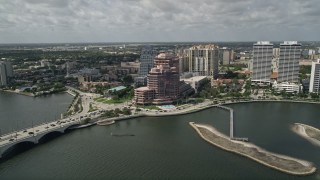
(231, 133)
(36, 133)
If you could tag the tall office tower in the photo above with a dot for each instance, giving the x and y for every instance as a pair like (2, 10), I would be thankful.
(261, 62)
(204, 59)
(290, 54)
(146, 60)
(9, 69)
(315, 77)
(3, 74)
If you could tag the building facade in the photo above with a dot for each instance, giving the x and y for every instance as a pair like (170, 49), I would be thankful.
(227, 55)
(3, 75)
(146, 60)
(262, 62)
(287, 87)
(204, 59)
(315, 77)
(6, 72)
(290, 54)
(163, 82)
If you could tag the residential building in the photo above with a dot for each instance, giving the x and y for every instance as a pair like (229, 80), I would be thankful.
(6, 72)
(290, 54)
(204, 59)
(315, 77)
(3, 75)
(276, 52)
(183, 56)
(261, 63)
(227, 55)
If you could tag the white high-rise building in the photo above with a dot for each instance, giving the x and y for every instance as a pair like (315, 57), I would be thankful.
(204, 60)
(315, 77)
(261, 64)
(3, 74)
(290, 54)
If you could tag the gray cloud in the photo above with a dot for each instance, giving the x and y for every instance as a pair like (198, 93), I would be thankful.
(157, 20)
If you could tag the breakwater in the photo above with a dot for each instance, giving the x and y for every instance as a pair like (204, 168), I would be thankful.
(279, 162)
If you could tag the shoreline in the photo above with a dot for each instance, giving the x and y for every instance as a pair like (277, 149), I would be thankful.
(32, 95)
(307, 132)
(19, 93)
(249, 150)
(198, 109)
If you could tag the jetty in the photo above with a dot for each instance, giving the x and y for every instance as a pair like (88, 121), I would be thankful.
(275, 161)
(231, 134)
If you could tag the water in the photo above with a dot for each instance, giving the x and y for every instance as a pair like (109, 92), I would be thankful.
(168, 148)
(18, 111)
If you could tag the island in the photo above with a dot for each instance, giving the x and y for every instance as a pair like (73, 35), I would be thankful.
(310, 133)
(279, 162)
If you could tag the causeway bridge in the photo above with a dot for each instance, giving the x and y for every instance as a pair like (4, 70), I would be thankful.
(231, 133)
(36, 133)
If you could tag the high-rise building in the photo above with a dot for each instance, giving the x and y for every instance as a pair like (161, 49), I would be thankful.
(227, 55)
(261, 64)
(163, 82)
(146, 63)
(3, 74)
(146, 60)
(276, 52)
(182, 54)
(290, 54)
(315, 77)
(6, 72)
(204, 60)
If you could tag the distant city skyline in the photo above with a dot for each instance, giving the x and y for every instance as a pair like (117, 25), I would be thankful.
(61, 21)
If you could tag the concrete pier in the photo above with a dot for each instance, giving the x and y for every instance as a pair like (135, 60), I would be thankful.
(231, 134)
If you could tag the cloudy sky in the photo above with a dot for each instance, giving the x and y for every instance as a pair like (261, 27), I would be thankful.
(40, 21)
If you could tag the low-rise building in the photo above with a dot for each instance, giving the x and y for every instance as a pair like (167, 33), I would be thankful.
(195, 81)
(287, 87)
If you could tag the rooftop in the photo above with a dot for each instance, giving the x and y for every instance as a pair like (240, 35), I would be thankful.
(118, 88)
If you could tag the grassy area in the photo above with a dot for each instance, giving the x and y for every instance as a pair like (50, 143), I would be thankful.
(92, 108)
(111, 101)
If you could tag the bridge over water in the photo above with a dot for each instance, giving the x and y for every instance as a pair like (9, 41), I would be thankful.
(36, 133)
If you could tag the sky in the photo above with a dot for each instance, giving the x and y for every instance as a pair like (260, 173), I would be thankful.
(67, 21)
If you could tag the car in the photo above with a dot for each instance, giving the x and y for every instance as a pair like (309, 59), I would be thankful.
(30, 133)
(25, 131)
(11, 139)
